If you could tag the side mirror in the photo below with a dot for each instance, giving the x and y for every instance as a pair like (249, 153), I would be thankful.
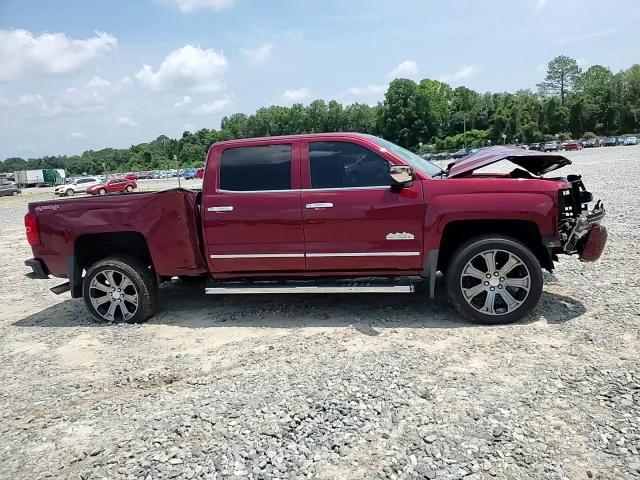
(401, 176)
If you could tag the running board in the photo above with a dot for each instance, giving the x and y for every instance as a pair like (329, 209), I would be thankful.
(308, 287)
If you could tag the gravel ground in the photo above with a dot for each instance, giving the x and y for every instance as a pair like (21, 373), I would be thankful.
(333, 387)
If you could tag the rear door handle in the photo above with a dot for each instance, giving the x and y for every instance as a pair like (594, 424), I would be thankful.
(220, 209)
(319, 205)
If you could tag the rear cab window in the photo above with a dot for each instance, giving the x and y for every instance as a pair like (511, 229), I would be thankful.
(256, 168)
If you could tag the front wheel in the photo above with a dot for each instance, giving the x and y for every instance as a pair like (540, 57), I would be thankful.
(119, 289)
(129, 189)
(69, 192)
(494, 280)
(102, 191)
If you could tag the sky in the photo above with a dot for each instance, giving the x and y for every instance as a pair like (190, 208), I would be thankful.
(86, 74)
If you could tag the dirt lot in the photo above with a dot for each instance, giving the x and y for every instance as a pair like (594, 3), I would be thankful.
(331, 387)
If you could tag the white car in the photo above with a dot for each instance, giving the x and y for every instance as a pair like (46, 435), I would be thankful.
(631, 141)
(79, 185)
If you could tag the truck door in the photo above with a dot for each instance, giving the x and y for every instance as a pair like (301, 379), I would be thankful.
(353, 221)
(251, 208)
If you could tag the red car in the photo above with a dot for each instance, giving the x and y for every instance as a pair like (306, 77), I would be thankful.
(131, 176)
(326, 213)
(571, 145)
(200, 173)
(115, 185)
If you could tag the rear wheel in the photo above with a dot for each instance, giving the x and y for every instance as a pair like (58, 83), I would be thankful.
(494, 280)
(119, 289)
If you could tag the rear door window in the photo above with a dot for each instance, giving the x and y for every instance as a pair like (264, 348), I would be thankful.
(346, 165)
(260, 168)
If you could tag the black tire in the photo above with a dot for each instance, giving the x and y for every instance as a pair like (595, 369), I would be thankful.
(470, 250)
(129, 189)
(141, 278)
(102, 191)
(69, 192)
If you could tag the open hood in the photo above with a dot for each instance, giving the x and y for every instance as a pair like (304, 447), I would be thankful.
(537, 163)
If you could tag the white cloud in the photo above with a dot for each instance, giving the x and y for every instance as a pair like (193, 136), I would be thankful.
(97, 82)
(94, 95)
(465, 73)
(96, 92)
(42, 106)
(50, 53)
(259, 55)
(187, 68)
(367, 90)
(76, 135)
(126, 122)
(540, 4)
(406, 69)
(212, 107)
(186, 100)
(582, 62)
(297, 95)
(586, 36)
(187, 6)
(369, 94)
(189, 126)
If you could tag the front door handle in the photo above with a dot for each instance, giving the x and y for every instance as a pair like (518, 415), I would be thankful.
(219, 209)
(319, 205)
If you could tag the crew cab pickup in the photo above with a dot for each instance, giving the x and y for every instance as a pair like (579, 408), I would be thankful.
(317, 213)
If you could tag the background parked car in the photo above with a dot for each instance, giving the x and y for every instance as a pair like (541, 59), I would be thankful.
(8, 189)
(592, 143)
(200, 173)
(536, 146)
(608, 142)
(631, 141)
(620, 141)
(571, 145)
(460, 153)
(189, 173)
(552, 146)
(115, 185)
(78, 185)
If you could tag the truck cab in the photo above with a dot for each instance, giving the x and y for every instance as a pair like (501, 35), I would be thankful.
(316, 213)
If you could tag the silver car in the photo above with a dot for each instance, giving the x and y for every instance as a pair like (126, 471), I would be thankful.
(8, 189)
(79, 185)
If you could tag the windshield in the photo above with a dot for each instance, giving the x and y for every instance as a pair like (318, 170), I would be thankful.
(411, 158)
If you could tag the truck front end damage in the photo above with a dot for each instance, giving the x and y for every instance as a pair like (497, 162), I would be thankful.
(580, 229)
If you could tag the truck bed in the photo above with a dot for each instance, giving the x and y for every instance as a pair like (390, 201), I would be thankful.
(168, 220)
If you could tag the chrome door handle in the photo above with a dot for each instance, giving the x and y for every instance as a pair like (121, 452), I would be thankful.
(319, 205)
(219, 209)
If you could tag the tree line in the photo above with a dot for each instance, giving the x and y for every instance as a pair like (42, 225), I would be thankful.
(428, 115)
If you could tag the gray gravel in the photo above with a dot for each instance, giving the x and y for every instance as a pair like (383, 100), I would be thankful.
(335, 387)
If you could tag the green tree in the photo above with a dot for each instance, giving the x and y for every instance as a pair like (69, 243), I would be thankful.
(562, 73)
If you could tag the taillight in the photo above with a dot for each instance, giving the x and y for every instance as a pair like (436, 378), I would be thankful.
(31, 227)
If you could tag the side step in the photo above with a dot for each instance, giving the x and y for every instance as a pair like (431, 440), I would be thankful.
(369, 286)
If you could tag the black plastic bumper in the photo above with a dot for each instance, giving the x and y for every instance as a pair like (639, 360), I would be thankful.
(39, 269)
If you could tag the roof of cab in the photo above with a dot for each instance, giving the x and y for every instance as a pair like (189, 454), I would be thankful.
(302, 136)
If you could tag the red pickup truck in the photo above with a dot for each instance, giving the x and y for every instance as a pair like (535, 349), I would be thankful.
(316, 213)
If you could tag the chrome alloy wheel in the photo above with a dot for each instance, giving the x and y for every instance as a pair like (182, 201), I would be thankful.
(113, 295)
(495, 282)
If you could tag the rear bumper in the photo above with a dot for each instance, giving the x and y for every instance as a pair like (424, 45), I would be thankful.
(38, 269)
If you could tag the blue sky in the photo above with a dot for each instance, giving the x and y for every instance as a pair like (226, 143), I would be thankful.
(82, 74)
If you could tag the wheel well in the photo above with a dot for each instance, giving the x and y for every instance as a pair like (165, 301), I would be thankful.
(93, 247)
(457, 232)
